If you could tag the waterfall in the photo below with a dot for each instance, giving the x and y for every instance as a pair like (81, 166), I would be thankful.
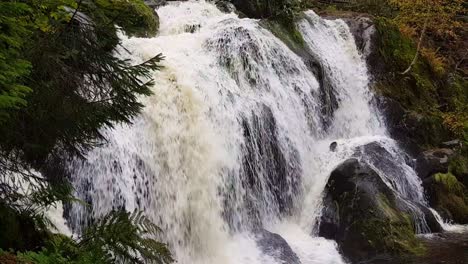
(234, 140)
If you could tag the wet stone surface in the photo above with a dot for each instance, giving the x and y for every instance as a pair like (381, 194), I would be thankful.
(442, 248)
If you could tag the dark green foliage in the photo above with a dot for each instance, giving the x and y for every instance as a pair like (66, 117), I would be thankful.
(60, 84)
(437, 106)
(125, 237)
(18, 230)
(450, 197)
(119, 237)
(78, 87)
(133, 16)
(13, 66)
(414, 91)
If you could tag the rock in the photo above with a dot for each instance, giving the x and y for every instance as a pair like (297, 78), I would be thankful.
(399, 125)
(363, 29)
(333, 146)
(448, 197)
(261, 8)
(225, 6)
(153, 4)
(362, 214)
(192, 28)
(452, 143)
(274, 245)
(433, 161)
(252, 8)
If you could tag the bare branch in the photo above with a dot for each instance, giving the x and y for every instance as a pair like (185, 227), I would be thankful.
(417, 50)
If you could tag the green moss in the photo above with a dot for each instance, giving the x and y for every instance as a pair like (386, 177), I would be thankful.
(451, 197)
(286, 32)
(450, 182)
(420, 91)
(395, 237)
(387, 207)
(459, 166)
(133, 16)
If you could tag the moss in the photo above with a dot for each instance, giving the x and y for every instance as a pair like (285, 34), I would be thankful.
(450, 182)
(394, 237)
(459, 166)
(133, 16)
(451, 197)
(420, 91)
(387, 230)
(288, 34)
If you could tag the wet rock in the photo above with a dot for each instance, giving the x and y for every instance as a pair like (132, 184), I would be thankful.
(452, 143)
(443, 248)
(433, 161)
(270, 174)
(333, 146)
(192, 28)
(261, 8)
(274, 245)
(362, 214)
(401, 126)
(448, 197)
(363, 29)
(225, 6)
(153, 4)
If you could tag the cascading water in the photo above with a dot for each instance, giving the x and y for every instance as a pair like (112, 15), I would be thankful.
(233, 140)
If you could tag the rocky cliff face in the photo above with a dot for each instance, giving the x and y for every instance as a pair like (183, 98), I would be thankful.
(436, 153)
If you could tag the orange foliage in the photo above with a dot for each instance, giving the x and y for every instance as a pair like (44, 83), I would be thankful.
(440, 15)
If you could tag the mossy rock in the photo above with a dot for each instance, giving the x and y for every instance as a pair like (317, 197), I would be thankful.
(362, 214)
(434, 100)
(289, 34)
(459, 165)
(133, 16)
(263, 8)
(449, 197)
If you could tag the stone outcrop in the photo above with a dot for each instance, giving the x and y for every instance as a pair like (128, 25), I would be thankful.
(364, 216)
(274, 245)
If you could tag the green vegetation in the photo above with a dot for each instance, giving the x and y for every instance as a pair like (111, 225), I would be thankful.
(392, 237)
(60, 84)
(434, 88)
(450, 197)
(388, 230)
(289, 35)
(13, 67)
(118, 236)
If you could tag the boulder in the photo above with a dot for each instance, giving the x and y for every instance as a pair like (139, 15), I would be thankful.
(274, 245)
(262, 8)
(452, 143)
(225, 6)
(153, 4)
(448, 197)
(433, 161)
(362, 214)
(362, 27)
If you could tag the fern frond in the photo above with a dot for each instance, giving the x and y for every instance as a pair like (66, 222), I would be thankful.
(123, 237)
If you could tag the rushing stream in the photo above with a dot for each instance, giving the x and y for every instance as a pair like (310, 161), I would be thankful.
(236, 138)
